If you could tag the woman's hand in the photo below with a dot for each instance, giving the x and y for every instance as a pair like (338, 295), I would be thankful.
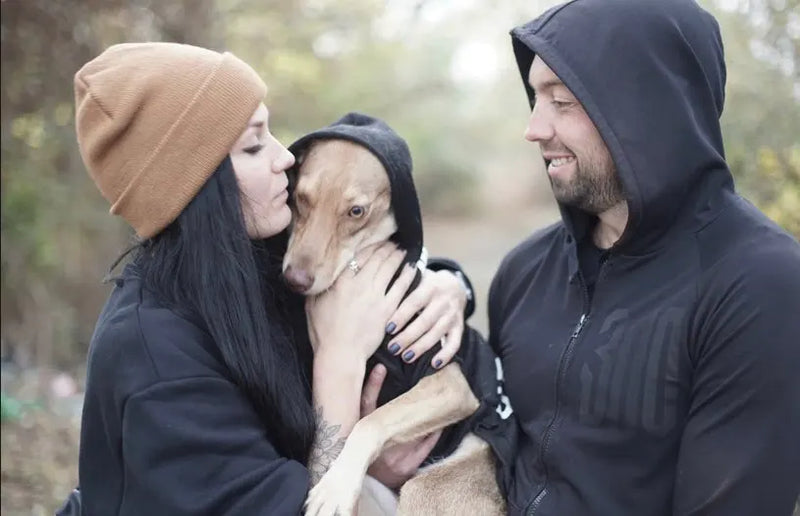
(439, 299)
(350, 317)
(400, 462)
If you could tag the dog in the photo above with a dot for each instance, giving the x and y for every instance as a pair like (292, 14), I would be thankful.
(341, 198)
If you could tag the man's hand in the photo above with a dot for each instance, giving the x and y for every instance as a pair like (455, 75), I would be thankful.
(400, 462)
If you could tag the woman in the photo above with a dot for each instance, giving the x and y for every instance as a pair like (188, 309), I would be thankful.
(202, 386)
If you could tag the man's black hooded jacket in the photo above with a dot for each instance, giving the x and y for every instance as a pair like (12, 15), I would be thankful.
(674, 389)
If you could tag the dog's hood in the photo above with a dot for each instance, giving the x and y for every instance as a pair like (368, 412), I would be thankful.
(651, 76)
(392, 151)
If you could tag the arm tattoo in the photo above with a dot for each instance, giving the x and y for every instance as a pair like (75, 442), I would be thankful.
(325, 449)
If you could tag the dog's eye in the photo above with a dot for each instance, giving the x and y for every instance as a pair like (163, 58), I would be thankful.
(357, 211)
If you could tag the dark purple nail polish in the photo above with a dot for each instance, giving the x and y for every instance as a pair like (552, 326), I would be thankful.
(438, 363)
(408, 355)
(390, 327)
(394, 347)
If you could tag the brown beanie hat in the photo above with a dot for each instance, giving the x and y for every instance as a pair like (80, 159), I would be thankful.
(154, 120)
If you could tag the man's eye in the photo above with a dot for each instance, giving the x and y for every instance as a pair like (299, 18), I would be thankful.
(255, 149)
(357, 211)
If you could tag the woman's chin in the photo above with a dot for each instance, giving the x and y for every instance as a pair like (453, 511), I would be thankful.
(271, 226)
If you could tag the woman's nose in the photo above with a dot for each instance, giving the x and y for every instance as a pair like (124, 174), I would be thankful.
(284, 161)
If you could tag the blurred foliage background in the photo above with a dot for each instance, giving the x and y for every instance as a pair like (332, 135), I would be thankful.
(440, 71)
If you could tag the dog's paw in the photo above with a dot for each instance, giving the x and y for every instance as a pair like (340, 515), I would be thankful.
(337, 492)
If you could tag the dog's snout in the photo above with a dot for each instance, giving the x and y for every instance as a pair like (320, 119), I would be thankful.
(298, 279)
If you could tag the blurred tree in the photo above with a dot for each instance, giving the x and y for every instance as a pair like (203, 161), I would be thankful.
(761, 122)
(55, 243)
(776, 26)
(321, 59)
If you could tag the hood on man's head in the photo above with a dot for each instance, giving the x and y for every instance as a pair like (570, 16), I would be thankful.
(651, 76)
(392, 151)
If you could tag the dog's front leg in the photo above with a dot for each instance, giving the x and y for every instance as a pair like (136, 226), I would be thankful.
(435, 402)
(337, 492)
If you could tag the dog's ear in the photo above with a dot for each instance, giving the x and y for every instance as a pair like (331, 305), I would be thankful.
(301, 158)
(291, 174)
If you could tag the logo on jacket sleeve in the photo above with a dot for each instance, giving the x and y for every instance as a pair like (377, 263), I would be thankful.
(504, 405)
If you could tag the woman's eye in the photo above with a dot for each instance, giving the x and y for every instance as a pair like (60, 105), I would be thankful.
(561, 104)
(255, 149)
(357, 211)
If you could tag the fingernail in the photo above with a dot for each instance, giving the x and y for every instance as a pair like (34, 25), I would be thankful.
(390, 327)
(394, 347)
(408, 355)
(437, 364)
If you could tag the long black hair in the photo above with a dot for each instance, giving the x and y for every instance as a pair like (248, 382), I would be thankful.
(204, 263)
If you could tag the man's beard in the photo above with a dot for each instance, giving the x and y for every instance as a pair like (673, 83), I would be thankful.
(595, 188)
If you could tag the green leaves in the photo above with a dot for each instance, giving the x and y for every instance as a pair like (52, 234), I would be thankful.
(12, 409)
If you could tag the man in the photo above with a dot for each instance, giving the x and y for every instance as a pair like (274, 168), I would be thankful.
(651, 338)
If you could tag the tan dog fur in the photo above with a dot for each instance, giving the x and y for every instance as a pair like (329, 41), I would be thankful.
(334, 176)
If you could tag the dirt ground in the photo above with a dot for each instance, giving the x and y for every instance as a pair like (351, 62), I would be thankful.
(480, 244)
(39, 443)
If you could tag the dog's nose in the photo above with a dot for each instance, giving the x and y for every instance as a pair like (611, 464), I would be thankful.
(299, 280)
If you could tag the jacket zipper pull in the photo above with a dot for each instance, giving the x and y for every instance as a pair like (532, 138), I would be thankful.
(579, 327)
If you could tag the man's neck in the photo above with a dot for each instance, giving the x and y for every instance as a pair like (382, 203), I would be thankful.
(610, 225)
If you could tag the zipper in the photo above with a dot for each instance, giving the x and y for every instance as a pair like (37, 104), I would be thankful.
(562, 372)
